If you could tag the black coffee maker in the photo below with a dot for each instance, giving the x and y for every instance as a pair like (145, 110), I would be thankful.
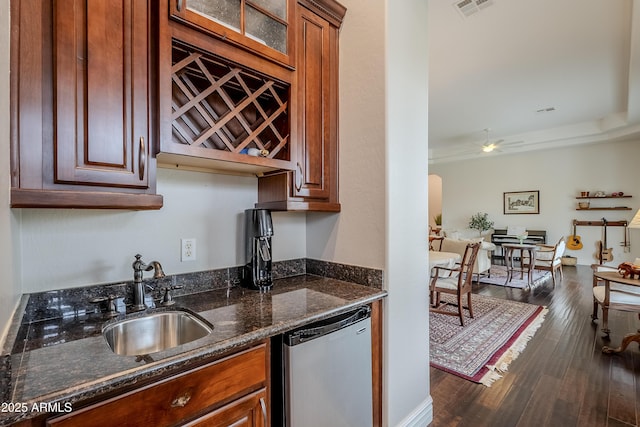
(258, 229)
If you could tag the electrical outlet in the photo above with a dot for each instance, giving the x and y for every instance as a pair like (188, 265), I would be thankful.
(188, 251)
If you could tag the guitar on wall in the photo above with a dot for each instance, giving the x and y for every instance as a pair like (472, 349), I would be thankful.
(626, 245)
(574, 243)
(604, 254)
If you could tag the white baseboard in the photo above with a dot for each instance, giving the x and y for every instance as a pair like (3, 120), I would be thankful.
(421, 416)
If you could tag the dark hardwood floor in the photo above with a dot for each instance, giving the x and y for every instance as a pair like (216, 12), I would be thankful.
(562, 378)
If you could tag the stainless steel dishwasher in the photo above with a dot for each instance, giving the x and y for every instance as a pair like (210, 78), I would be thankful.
(327, 372)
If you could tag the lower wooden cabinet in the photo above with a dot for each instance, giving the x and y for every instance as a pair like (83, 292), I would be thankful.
(249, 411)
(228, 392)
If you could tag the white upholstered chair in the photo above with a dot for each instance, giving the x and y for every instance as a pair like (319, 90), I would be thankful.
(549, 258)
(482, 264)
(616, 296)
(457, 283)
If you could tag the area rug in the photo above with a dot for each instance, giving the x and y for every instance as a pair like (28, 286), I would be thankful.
(483, 349)
(499, 277)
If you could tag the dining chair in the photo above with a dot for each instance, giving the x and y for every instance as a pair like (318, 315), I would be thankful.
(435, 243)
(616, 296)
(549, 258)
(457, 282)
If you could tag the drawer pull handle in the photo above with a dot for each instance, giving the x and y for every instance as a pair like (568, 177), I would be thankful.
(181, 401)
(264, 412)
(142, 160)
(298, 177)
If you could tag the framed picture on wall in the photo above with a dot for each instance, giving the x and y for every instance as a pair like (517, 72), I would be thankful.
(521, 202)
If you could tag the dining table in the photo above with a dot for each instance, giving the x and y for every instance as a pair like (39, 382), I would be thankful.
(509, 249)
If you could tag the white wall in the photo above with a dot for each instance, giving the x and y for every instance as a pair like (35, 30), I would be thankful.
(76, 247)
(407, 326)
(383, 114)
(9, 243)
(478, 185)
(356, 235)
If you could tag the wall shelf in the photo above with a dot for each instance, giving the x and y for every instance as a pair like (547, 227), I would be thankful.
(617, 208)
(600, 223)
(602, 208)
(604, 197)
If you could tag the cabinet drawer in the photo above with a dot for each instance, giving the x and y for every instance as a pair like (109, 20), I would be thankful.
(180, 397)
(249, 411)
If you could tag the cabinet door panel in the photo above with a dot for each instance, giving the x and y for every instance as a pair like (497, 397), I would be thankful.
(101, 92)
(263, 26)
(313, 178)
(313, 185)
(105, 86)
(248, 411)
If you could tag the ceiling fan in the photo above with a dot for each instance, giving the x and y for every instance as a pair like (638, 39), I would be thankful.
(488, 147)
(470, 149)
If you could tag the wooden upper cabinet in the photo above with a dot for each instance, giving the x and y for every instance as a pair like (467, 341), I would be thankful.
(82, 104)
(101, 107)
(219, 101)
(313, 176)
(313, 186)
(263, 26)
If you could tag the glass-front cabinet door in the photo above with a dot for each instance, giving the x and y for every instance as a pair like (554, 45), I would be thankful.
(261, 25)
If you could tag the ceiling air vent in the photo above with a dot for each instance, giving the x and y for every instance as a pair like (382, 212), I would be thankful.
(469, 7)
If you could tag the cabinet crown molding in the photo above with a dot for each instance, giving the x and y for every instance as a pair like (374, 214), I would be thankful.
(331, 10)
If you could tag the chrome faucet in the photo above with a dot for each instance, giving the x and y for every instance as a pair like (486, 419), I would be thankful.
(138, 287)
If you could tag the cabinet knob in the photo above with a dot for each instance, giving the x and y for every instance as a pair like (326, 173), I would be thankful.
(142, 163)
(182, 400)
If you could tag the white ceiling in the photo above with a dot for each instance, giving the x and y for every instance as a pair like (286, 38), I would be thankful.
(497, 67)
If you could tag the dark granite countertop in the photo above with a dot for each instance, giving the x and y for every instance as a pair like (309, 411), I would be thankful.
(66, 360)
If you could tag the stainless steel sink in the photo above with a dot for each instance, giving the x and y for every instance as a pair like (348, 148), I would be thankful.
(154, 332)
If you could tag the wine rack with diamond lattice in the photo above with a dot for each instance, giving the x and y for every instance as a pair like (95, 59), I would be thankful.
(222, 110)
